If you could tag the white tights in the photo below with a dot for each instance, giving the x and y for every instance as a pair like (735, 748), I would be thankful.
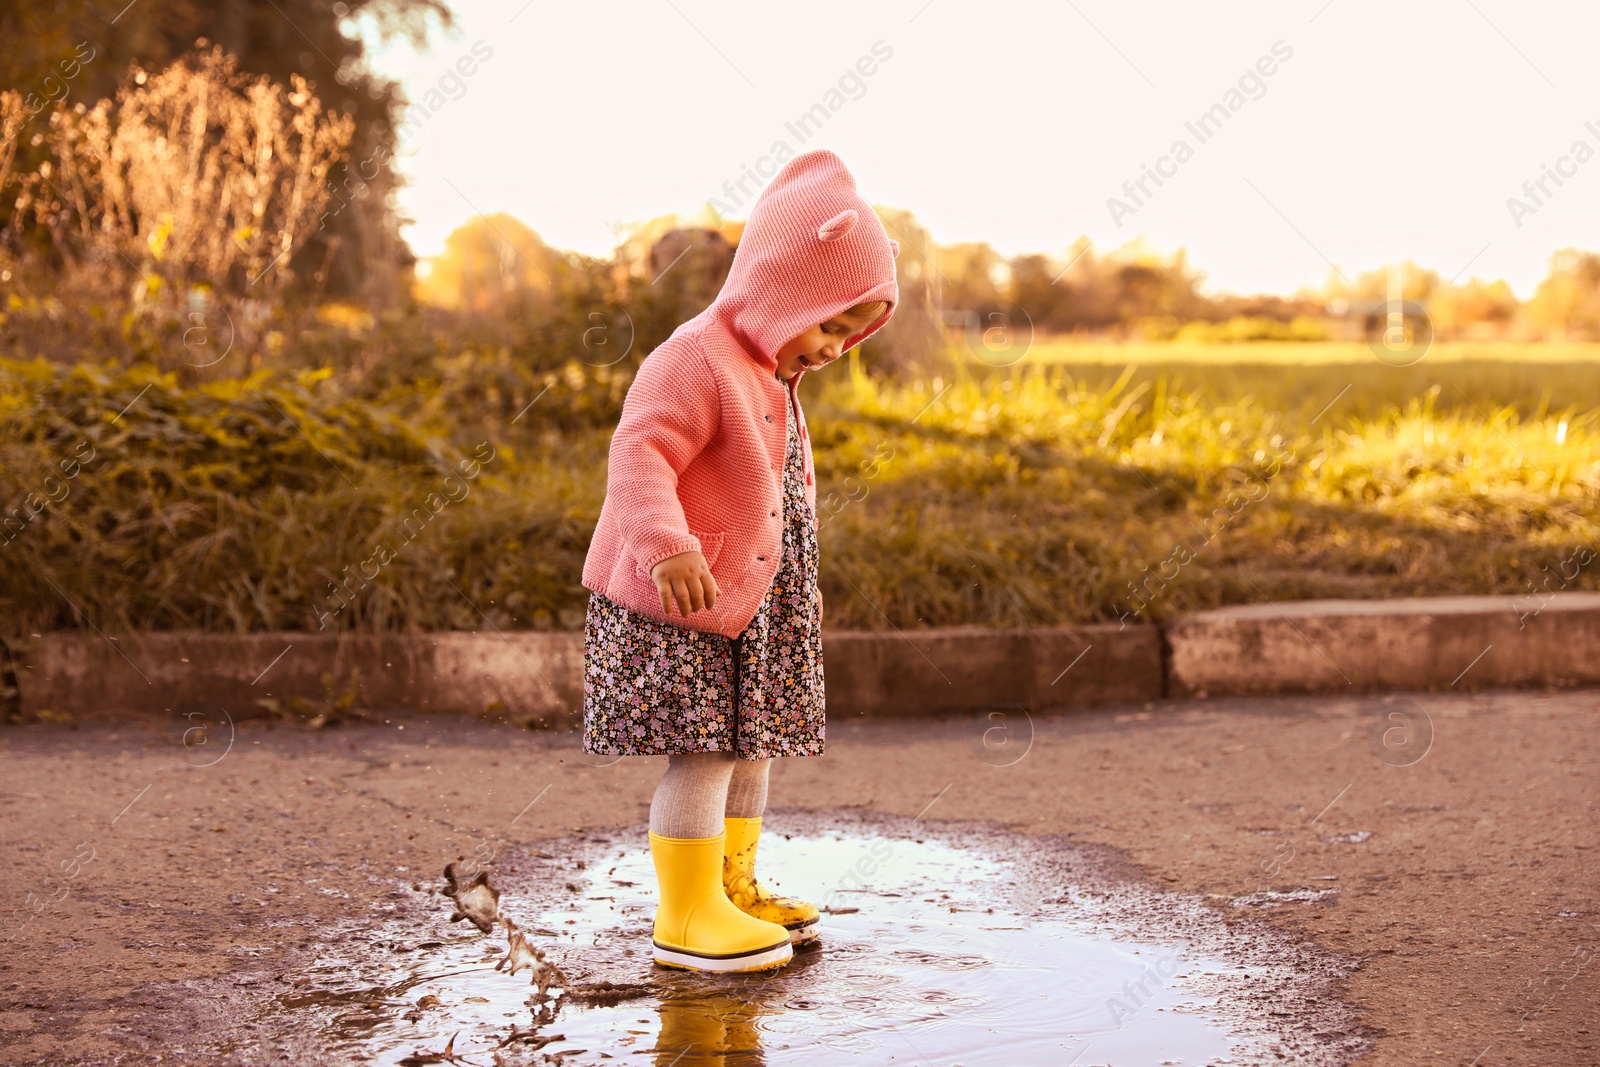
(700, 788)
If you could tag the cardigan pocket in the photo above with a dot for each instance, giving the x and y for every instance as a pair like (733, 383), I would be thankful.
(710, 548)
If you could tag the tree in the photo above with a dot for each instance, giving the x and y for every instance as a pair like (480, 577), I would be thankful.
(1032, 288)
(1128, 286)
(1413, 283)
(1459, 310)
(359, 253)
(489, 262)
(1567, 302)
(915, 330)
(971, 274)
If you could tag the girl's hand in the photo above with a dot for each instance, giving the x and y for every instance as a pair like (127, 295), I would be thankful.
(686, 579)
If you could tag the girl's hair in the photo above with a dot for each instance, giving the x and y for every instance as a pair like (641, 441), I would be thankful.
(874, 306)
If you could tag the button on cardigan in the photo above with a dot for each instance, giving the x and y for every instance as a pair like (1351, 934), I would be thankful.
(696, 461)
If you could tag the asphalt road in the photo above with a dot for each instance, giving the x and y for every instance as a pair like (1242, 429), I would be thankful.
(143, 857)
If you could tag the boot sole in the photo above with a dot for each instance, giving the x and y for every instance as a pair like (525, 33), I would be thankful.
(759, 960)
(804, 931)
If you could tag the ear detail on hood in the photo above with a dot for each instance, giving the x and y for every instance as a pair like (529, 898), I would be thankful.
(812, 246)
(894, 247)
(838, 226)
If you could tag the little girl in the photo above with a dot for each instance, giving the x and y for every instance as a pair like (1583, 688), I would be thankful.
(710, 508)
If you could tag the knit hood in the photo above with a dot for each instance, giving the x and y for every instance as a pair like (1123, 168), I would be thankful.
(812, 247)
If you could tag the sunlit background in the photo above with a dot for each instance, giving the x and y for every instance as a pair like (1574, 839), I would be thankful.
(281, 267)
(1394, 131)
(1223, 331)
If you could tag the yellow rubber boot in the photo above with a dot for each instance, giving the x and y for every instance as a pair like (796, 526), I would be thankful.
(697, 928)
(710, 1023)
(750, 896)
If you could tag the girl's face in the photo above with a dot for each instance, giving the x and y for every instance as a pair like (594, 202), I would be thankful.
(822, 344)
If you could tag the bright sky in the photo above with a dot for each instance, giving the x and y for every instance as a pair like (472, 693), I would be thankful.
(1392, 130)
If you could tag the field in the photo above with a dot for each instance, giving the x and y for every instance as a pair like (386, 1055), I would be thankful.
(1084, 483)
(1356, 354)
(1067, 489)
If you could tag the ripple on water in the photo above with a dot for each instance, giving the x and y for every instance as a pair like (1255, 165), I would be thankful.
(944, 960)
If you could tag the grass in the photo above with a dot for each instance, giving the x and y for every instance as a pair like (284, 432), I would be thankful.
(277, 502)
(1051, 350)
(1052, 493)
(1049, 492)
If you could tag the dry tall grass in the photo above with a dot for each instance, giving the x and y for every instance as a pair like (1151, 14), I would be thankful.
(181, 202)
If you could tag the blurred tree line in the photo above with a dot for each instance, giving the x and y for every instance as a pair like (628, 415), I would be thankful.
(209, 187)
(670, 267)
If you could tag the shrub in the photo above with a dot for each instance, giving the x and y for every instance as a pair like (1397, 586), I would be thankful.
(1031, 496)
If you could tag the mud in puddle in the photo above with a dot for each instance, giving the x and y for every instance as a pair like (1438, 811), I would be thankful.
(941, 944)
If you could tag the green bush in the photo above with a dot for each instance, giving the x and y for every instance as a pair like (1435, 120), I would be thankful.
(997, 497)
(265, 503)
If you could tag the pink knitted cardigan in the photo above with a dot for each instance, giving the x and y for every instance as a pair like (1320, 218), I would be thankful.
(696, 462)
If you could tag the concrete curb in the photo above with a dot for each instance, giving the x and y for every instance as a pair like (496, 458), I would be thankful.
(1320, 646)
(1419, 643)
(919, 672)
(534, 678)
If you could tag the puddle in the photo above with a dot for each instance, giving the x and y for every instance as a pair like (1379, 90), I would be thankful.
(960, 944)
(1273, 898)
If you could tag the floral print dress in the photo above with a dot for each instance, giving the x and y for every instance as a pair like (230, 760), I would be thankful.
(651, 688)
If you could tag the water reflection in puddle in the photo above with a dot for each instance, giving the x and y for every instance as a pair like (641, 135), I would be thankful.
(940, 964)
